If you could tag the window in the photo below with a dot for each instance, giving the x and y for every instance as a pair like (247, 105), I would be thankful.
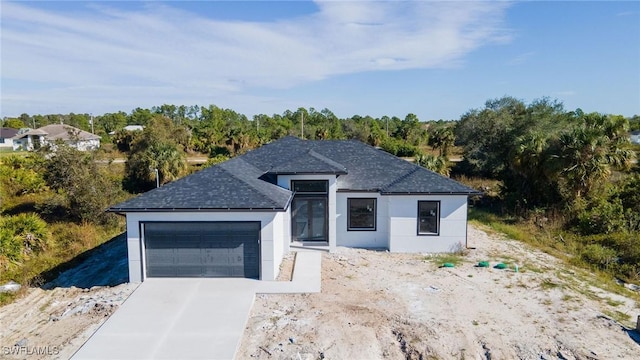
(428, 217)
(310, 186)
(362, 214)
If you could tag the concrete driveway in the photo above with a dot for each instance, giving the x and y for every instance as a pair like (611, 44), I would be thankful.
(190, 318)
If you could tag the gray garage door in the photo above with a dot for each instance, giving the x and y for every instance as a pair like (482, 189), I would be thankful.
(202, 249)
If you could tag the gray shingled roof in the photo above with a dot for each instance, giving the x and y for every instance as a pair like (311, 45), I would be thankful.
(7, 133)
(243, 182)
(231, 185)
(367, 168)
(308, 162)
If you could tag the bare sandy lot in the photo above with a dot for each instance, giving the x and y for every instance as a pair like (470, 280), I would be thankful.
(373, 305)
(377, 305)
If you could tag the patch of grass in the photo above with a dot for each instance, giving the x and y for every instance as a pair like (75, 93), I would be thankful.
(9, 152)
(440, 259)
(548, 284)
(7, 298)
(527, 266)
(618, 316)
(613, 303)
(567, 297)
(45, 305)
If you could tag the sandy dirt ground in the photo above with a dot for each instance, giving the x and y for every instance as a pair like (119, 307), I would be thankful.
(373, 305)
(377, 305)
(53, 321)
(53, 324)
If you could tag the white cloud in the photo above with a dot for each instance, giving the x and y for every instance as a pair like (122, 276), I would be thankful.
(124, 58)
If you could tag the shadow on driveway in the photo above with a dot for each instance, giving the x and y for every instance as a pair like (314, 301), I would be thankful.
(634, 335)
(104, 265)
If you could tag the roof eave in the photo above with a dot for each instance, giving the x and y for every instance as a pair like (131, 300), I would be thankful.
(307, 172)
(430, 193)
(200, 209)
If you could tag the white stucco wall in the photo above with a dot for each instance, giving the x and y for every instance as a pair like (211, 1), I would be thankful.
(284, 181)
(286, 231)
(362, 238)
(27, 143)
(6, 143)
(271, 234)
(84, 145)
(403, 224)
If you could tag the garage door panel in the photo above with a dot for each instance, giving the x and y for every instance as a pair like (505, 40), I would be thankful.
(213, 249)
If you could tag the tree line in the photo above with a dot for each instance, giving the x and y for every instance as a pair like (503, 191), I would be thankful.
(579, 169)
(547, 159)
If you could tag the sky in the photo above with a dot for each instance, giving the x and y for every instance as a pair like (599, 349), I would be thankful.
(437, 60)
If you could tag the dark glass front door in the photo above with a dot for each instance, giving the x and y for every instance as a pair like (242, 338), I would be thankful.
(309, 218)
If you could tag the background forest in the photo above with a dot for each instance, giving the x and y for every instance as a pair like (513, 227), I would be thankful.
(563, 180)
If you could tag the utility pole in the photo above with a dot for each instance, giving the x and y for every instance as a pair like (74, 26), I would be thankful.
(302, 127)
(91, 121)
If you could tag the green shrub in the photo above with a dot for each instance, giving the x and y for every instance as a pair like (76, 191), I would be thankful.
(598, 255)
(398, 147)
(86, 189)
(602, 217)
(20, 236)
(21, 175)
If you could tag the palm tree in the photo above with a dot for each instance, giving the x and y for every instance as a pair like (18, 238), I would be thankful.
(528, 178)
(437, 164)
(169, 161)
(585, 155)
(442, 139)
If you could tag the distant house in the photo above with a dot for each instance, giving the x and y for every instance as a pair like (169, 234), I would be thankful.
(634, 136)
(6, 137)
(130, 128)
(31, 139)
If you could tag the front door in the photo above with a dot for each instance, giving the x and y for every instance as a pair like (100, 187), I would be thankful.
(309, 210)
(309, 219)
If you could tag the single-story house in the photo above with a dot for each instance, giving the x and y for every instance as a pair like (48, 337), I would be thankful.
(130, 128)
(634, 136)
(6, 137)
(31, 139)
(240, 217)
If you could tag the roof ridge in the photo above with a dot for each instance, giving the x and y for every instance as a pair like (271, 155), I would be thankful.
(401, 178)
(247, 180)
(289, 158)
(326, 160)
